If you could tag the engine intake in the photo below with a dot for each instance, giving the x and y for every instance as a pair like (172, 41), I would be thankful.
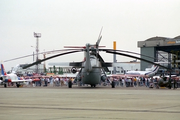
(73, 70)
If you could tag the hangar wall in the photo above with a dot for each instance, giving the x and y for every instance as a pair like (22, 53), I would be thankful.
(149, 51)
(153, 47)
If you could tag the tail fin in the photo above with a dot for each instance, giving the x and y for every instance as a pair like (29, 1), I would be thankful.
(154, 68)
(3, 72)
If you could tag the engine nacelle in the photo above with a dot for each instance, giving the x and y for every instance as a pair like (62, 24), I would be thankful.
(73, 70)
(103, 78)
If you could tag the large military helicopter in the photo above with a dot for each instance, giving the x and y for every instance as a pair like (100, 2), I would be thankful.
(93, 67)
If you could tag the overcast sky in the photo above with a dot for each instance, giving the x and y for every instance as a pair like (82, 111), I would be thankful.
(77, 22)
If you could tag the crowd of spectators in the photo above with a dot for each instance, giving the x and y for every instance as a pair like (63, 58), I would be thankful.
(56, 81)
(143, 81)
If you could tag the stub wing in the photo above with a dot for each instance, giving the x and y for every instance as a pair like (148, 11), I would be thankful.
(76, 64)
(105, 65)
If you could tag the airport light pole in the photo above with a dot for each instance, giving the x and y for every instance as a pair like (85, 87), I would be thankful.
(114, 57)
(37, 35)
(33, 53)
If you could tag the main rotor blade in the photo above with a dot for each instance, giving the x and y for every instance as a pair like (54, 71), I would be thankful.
(99, 38)
(75, 47)
(98, 41)
(102, 61)
(49, 58)
(128, 52)
(47, 52)
(113, 52)
(18, 58)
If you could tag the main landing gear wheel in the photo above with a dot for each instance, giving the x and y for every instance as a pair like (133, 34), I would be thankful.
(113, 84)
(5, 85)
(93, 85)
(70, 84)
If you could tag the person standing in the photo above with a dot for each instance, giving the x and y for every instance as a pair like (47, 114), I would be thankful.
(46, 81)
(123, 82)
(135, 80)
(148, 80)
(120, 81)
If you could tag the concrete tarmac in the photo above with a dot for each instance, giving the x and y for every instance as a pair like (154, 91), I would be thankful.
(85, 103)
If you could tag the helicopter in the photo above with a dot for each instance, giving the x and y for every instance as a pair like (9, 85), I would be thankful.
(93, 68)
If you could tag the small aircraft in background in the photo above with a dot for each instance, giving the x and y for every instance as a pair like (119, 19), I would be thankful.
(147, 73)
(12, 78)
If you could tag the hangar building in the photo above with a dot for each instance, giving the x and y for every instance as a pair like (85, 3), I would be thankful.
(161, 49)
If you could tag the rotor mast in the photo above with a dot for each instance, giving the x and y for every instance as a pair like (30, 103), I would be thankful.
(88, 66)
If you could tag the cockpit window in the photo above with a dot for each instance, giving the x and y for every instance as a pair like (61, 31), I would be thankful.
(92, 57)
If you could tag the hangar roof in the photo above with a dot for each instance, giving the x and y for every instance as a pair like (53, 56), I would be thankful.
(178, 37)
(162, 43)
(157, 38)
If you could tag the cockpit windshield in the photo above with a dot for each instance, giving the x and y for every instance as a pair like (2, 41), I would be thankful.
(92, 57)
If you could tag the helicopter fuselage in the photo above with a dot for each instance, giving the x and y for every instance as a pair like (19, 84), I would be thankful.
(91, 75)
